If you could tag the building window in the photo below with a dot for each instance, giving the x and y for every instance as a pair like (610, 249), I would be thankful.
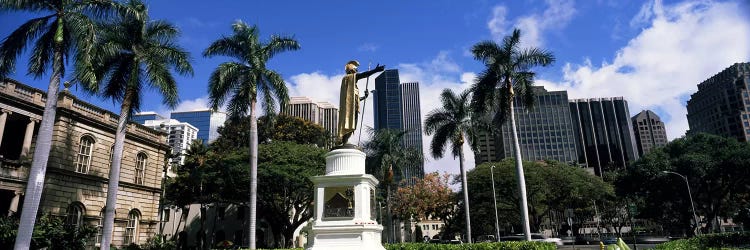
(100, 228)
(131, 229)
(84, 154)
(74, 216)
(140, 167)
(165, 214)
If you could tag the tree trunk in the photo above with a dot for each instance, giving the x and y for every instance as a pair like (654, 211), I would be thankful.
(253, 172)
(38, 169)
(114, 171)
(465, 187)
(519, 170)
(392, 233)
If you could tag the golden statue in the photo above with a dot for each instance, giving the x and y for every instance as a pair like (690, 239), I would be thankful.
(349, 99)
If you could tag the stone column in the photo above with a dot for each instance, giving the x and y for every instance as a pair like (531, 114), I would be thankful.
(3, 117)
(27, 138)
(14, 203)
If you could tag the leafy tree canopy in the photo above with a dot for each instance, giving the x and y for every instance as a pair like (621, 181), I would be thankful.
(429, 197)
(550, 186)
(234, 133)
(716, 168)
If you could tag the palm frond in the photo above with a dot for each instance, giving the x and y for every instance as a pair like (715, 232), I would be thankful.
(41, 54)
(13, 45)
(436, 119)
(25, 5)
(276, 87)
(279, 44)
(443, 136)
(226, 78)
(485, 51)
(531, 57)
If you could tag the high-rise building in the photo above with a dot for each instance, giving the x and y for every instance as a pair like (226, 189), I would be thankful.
(206, 121)
(603, 133)
(397, 106)
(179, 135)
(545, 131)
(387, 108)
(722, 104)
(649, 131)
(142, 117)
(321, 113)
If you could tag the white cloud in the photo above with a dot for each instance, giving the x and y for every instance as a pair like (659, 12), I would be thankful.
(683, 45)
(533, 26)
(368, 47)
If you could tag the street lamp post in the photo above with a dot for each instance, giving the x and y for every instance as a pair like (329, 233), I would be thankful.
(690, 195)
(497, 225)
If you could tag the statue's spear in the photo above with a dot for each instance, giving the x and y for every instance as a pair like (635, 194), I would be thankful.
(364, 105)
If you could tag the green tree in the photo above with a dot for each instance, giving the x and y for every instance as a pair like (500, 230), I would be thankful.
(49, 232)
(134, 52)
(66, 28)
(244, 80)
(277, 128)
(716, 169)
(286, 192)
(552, 186)
(454, 123)
(190, 184)
(386, 155)
(507, 74)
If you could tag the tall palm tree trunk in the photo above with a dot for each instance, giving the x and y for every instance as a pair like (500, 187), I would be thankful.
(519, 171)
(114, 171)
(466, 193)
(35, 183)
(253, 172)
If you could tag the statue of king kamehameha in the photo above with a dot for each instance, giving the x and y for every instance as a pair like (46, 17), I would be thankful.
(349, 99)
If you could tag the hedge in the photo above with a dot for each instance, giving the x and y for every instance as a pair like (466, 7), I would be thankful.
(710, 241)
(509, 245)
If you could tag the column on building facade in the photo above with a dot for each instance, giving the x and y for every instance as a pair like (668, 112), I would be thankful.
(13, 208)
(27, 138)
(3, 117)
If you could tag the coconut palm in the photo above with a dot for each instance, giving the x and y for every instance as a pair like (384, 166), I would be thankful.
(507, 74)
(453, 123)
(65, 30)
(133, 53)
(243, 81)
(386, 155)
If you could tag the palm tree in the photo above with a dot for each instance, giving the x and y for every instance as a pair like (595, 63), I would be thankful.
(243, 80)
(508, 72)
(453, 123)
(387, 155)
(66, 28)
(132, 53)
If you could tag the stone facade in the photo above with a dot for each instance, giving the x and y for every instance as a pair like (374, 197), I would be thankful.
(76, 181)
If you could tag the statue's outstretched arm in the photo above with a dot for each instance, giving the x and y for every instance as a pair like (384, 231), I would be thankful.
(368, 73)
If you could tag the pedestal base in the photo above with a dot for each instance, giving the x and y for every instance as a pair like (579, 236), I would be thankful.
(345, 237)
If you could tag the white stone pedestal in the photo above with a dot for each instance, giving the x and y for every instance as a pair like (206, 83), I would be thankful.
(344, 205)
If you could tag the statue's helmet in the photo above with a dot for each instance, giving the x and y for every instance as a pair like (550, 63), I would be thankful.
(351, 66)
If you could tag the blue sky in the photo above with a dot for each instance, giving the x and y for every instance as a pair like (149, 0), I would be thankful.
(653, 53)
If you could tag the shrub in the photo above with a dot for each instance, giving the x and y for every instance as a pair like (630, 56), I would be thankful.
(708, 241)
(49, 232)
(510, 245)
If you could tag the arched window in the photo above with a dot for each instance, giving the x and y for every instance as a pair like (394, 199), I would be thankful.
(100, 227)
(84, 154)
(140, 167)
(131, 229)
(75, 213)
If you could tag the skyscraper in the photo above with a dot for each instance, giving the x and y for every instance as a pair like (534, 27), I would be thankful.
(722, 104)
(321, 113)
(397, 106)
(142, 117)
(206, 121)
(545, 132)
(649, 131)
(387, 108)
(603, 133)
(179, 134)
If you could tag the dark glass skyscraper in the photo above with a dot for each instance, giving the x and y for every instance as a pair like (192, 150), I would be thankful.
(206, 121)
(545, 132)
(396, 106)
(722, 104)
(603, 133)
